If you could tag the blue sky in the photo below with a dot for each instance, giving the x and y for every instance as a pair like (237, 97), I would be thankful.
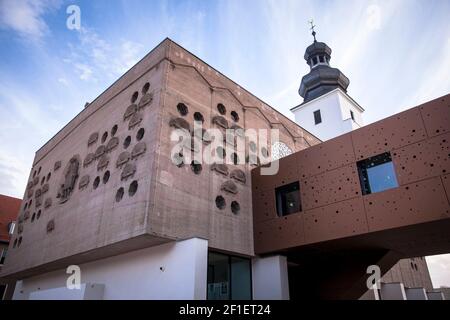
(396, 54)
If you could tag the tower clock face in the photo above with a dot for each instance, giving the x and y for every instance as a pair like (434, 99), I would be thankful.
(280, 150)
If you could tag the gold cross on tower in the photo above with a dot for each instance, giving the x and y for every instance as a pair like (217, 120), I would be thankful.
(311, 22)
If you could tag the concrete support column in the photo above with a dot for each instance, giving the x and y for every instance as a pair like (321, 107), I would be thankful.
(392, 291)
(270, 278)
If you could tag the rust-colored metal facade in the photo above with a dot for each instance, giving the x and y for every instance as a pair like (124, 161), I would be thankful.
(337, 219)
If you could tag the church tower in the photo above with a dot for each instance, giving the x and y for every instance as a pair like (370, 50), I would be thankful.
(327, 110)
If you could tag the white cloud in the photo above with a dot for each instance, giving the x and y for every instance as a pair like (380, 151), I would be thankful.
(84, 71)
(63, 81)
(94, 56)
(373, 16)
(26, 16)
(439, 267)
(434, 81)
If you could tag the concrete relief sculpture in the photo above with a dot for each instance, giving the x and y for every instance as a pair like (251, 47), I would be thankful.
(30, 185)
(220, 168)
(128, 171)
(48, 203)
(36, 180)
(238, 175)
(180, 123)
(103, 162)
(220, 121)
(57, 165)
(112, 144)
(89, 159)
(69, 179)
(38, 202)
(93, 138)
(123, 158)
(138, 149)
(135, 120)
(50, 226)
(37, 193)
(45, 188)
(26, 215)
(146, 99)
(229, 186)
(131, 110)
(101, 150)
(84, 182)
(30, 193)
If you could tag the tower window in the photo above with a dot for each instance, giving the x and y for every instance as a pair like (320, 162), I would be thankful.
(317, 117)
(377, 173)
(321, 59)
(314, 61)
(288, 199)
(352, 115)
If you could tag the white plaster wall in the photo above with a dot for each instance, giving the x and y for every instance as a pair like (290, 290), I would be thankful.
(335, 111)
(270, 278)
(137, 275)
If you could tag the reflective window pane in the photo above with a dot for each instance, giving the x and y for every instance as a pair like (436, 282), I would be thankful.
(229, 277)
(377, 173)
(382, 177)
(240, 278)
(218, 276)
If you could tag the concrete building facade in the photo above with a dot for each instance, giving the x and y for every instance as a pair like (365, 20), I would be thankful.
(9, 209)
(119, 197)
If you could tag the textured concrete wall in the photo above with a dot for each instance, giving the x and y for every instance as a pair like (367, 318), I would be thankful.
(81, 222)
(413, 273)
(184, 201)
(332, 201)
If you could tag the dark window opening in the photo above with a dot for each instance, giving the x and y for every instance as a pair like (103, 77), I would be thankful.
(314, 61)
(229, 277)
(377, 173)
(140, 134)
(119, 194)
(234, 116)
(352, 115)
(126, 142)
(196, 167)
(199, 117)
(132, 188)
(106, 177)
(221, 152)
(104, 136)
(220, 202)
(288, 199)
(114, 130)
(96, 182)
(134, 97)
(182, 109)
(221, 108)
(235, 207)
(317, 117)
(321, 59)
(235, 158)
(145, 88)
